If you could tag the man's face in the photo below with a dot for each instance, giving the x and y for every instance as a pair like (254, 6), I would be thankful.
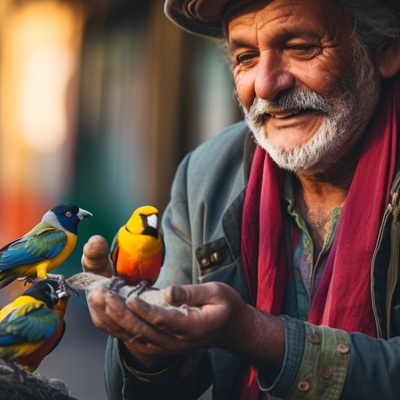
(307, 89)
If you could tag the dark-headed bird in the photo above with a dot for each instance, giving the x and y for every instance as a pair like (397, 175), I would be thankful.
(137, 250)
(32, 361)
(29, 326)
(43, 248)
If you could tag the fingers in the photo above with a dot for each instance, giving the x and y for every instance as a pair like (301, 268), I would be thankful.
(110, 314)
(213, 306)
(163, 320)
(96, 257)
(198, 295)
(218, 318)
(152, 331)
(97, 308)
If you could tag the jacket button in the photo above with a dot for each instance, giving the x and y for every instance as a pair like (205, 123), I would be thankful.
(303, 386)
(215, 257)
(205, 262)
(326, 371)
(343, 348)
(313, 338)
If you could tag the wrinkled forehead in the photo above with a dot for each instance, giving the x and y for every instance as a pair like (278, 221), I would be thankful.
(242, 8)
(323, 16)
(228, 10)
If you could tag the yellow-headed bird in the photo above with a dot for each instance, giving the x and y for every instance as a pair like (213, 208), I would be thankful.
(28, 322)
(137, 250)
(43, 248)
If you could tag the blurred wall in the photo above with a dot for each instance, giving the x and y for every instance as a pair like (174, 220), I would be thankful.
(39, 64)
(99, 102)
(149, 94)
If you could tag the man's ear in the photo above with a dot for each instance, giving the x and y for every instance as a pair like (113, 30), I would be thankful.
(389, 59)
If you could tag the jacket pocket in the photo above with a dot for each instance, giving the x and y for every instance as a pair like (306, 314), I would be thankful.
(217, 264)
(213, 256)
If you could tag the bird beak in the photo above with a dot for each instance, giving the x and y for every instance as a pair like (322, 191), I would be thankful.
(83, 214)
(152, 220)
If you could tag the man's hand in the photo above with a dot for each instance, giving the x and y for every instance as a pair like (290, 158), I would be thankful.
(219, 318)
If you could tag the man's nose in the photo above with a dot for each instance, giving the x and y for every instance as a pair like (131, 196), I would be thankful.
(273, 75)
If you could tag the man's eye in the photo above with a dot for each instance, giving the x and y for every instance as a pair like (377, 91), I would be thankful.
(302, 47)
(303, 50)
(245, 57)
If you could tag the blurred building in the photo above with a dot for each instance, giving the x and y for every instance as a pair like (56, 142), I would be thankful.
(99, 101)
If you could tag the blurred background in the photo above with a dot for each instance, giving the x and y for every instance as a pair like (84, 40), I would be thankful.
(99, 101)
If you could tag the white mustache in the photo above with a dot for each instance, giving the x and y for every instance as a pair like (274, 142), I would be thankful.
(288, 104)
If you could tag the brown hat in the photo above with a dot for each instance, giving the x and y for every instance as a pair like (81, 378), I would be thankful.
(205, 17)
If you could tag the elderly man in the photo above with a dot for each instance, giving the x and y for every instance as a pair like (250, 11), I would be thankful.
(295, 238)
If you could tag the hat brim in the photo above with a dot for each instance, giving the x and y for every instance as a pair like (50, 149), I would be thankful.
(193, 15)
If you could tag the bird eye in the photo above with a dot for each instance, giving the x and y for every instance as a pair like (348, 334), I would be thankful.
(68, 213)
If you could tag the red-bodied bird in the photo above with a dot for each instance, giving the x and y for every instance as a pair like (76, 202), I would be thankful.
(137, 250)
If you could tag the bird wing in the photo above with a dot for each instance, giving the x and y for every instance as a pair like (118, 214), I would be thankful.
(27, 325)
(163, 249)
(114, 244)
(114, 250)
(42, 242)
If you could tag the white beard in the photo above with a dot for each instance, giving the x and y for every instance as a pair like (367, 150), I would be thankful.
(345, 118)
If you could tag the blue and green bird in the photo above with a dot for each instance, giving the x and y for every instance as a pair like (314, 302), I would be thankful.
(28, 321)
(44, 247)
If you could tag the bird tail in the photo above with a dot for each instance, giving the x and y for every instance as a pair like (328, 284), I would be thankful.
(6, 277)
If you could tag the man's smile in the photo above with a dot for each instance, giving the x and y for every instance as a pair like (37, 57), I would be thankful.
(288, 117)
(284, 113)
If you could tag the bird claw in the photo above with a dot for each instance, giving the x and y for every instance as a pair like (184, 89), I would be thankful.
(65, 289)
(140, 288)
(28, 279)
(115, 284)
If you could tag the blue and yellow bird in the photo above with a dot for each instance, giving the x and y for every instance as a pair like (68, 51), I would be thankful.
(43, 248)
(29, 322)
(137, 250)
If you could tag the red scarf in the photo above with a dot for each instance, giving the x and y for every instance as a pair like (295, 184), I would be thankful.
(342, 299)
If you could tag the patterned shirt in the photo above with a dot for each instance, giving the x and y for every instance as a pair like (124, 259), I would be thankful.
(305, 275)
